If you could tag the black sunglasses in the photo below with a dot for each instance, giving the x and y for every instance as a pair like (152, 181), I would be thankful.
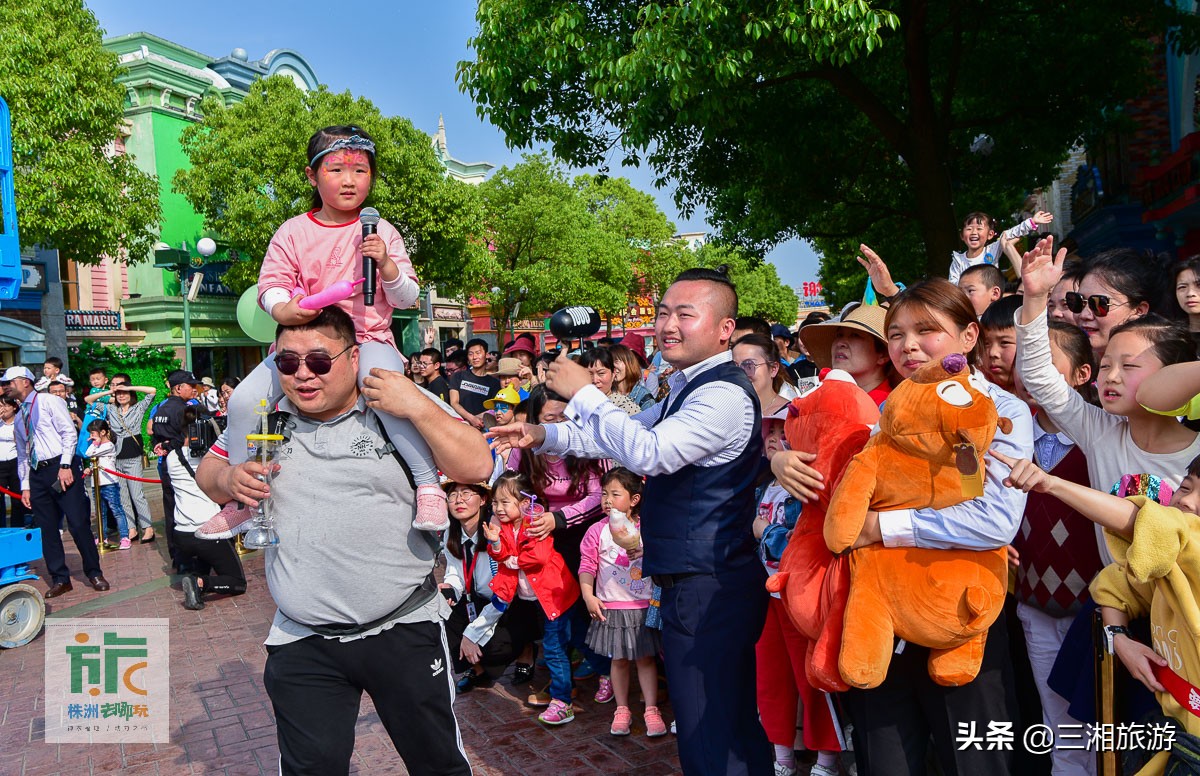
(1099, 303)
(318, 363)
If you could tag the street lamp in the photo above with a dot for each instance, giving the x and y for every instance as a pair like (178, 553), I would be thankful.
(514, 309)
(177, 260)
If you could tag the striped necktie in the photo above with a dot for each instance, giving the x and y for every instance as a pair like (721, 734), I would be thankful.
(27, 420)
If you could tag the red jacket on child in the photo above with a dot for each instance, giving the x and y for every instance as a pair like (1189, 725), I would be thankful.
(547, 572)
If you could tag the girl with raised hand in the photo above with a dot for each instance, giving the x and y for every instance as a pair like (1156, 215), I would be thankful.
(1120, 436)
(1054, 552)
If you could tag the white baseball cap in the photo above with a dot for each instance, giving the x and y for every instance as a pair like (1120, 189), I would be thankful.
(13, 372)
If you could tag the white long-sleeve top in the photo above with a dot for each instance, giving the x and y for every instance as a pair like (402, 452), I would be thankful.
(1104, 437)
(991, 253)
(479, 631)
(106, 452)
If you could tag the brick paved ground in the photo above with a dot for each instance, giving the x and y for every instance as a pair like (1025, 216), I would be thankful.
(222, 722)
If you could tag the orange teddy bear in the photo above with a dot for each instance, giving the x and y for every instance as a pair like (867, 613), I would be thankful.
(936, 427)
(834, 421)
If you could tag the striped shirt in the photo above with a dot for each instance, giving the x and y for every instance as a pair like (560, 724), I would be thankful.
(712, 427)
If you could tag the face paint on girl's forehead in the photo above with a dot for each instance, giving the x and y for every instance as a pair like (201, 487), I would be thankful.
(346, 158)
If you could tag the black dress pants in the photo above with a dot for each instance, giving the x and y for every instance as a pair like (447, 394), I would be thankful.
(48, 505)
(711, 623)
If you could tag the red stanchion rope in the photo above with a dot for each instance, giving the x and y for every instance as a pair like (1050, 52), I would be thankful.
(8, 492)
(129, 476)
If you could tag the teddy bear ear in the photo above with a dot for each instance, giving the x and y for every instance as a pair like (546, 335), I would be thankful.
(1005, 425)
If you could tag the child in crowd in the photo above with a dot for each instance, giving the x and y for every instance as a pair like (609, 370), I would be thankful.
(1120, 436)
(52, 372)
(999, 341)
(98, 382)
(1157, 574)
(979, 236)
(312, 251)
(983, 284)
(532, 569)
(1055, 552)
(1187, 292)
(617, 599)
(103, 448)
(781, 650)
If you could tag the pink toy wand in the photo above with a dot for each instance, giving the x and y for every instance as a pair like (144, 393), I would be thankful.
(343, 289)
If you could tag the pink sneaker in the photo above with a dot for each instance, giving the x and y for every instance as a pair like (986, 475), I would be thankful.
(432, 514)
(558, 713)
(125, 543)
(622, 719)
(232, 520)
(655, 726)
(604, 693)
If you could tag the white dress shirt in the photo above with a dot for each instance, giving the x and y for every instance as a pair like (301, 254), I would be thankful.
(53, 432)
(8, 440)
(712, 427)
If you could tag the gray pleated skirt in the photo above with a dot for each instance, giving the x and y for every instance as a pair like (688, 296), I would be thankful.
(624, 636)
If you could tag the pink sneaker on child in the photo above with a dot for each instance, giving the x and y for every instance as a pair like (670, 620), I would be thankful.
(125, 543)
(604, 693)
(655, 726)
(558, 713)
(233, 519)
(432, 514)
(622, 719)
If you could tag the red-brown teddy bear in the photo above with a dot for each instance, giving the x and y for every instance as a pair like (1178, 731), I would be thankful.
(834, 421)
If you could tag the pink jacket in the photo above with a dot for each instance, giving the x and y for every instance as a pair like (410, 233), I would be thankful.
(306, 253)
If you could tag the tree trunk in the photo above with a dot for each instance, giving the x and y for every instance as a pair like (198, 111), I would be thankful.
(935, 209)
(501, 325)
(928, 145)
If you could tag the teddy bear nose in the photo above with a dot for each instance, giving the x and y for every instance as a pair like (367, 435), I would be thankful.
(954, 363)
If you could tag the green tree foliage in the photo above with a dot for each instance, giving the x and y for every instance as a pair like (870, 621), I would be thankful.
(840, 121)
(644, 233)
(247, 177)
(546, 248)
(72, 192)
(760, 293)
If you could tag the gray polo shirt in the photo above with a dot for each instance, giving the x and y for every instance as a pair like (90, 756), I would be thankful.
(347, 550)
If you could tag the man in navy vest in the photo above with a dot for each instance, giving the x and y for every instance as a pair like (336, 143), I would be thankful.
(701, 452)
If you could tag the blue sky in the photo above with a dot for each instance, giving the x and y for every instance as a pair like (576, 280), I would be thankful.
(400, 55)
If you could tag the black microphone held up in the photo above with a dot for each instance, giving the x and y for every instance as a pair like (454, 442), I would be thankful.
(369, 217)
(574, 323)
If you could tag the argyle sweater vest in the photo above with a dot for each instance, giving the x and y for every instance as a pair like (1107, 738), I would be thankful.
(1059, 555)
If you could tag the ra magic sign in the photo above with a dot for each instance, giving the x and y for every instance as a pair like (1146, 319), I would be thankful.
(78, 320)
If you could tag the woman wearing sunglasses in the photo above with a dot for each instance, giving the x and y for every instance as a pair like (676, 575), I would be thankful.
(1118, 286)
(1120, 436)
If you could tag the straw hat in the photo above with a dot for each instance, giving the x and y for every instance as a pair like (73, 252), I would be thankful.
(818, 337)
(508, 367)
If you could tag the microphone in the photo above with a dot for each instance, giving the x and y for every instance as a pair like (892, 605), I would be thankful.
(369, 217)
(572, 323)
